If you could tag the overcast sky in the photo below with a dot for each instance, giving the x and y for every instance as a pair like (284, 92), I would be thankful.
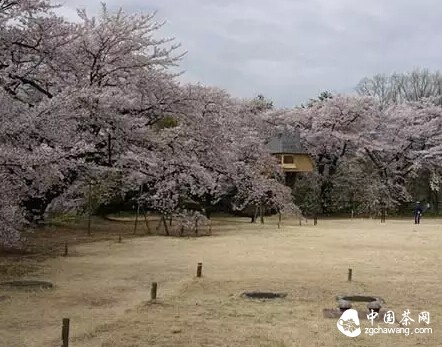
(291, 50)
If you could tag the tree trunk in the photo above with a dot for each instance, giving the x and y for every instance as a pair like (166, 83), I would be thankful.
(166, 228)
(136, 220)
(138, 208)
(146, 221)
(109, 149)
(159, 224)
(90, 209)
(255, 216)
(261, 215)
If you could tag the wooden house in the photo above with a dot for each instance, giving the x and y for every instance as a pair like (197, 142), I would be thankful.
(291, 154)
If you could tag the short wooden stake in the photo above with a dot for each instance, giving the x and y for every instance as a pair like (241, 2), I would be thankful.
(65, 333)
(350, 272)
(66, 250)
(199, 270)
(315, 220)
(153, 291)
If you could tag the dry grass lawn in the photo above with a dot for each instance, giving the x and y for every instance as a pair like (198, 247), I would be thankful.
(104, 287)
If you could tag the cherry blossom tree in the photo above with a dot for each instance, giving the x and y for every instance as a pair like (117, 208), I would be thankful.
(78, 96)
(404, 142)
(95, 101)
(214, 154)
(83, 101)
(366, 154)
(331, 129)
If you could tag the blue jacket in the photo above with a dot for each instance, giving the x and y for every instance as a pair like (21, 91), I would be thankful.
(418, 209)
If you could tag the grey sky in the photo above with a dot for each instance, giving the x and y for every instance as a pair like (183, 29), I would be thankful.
(291, 50)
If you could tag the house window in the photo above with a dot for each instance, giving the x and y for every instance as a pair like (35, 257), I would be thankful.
(288, 159)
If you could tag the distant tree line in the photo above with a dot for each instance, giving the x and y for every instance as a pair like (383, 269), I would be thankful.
(381, 148)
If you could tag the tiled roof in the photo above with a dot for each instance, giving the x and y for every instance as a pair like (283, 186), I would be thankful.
(286, 142)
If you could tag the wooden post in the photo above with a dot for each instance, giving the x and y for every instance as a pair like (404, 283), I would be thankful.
(279, 219)
(90, 209)
(352, 213)
(300, 221)
(153, 291)
(65, 333)
(66, 250)
(315, 220)
(350, 272)
(199, 269)
(119, 238)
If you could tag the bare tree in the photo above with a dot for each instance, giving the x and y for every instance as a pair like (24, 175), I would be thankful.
(403, 87)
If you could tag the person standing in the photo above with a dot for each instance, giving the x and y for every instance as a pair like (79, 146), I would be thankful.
(418, 213)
